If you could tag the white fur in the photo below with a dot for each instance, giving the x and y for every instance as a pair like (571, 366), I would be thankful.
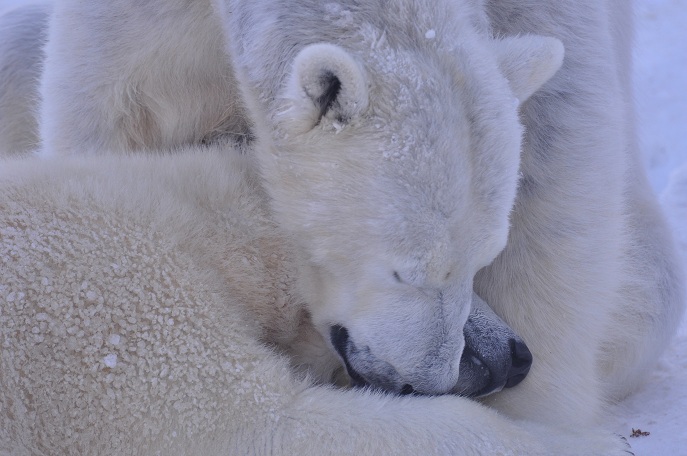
(146, 304)
(22, 34)
(588, 242)
(420, 179)
(125, 75)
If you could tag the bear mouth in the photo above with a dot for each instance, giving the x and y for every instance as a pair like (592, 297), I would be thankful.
(343, 346)
(339, 337)
(479, 375)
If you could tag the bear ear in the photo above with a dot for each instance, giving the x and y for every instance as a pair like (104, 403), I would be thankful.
(327, 81)
(528, 62)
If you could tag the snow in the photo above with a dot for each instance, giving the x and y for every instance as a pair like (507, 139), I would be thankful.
(660, 83)
(660, 406)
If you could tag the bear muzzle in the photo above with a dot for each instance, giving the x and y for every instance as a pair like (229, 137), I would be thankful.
(494, 357)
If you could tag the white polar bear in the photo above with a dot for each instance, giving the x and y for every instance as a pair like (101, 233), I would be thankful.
(135, 292)
(588, 258)
(403, 110)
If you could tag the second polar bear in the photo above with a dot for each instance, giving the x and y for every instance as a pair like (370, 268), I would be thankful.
(588, 275)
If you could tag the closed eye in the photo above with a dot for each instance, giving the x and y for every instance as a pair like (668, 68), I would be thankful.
(397, 277)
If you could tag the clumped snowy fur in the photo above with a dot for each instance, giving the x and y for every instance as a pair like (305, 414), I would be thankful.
(410, 167)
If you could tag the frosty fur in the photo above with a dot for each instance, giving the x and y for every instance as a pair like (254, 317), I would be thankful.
(588, 275)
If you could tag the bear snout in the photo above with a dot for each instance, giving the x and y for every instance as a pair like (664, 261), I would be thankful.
(378, 374)
(367, 370)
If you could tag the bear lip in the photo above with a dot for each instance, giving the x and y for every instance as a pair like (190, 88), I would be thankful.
(340, 340)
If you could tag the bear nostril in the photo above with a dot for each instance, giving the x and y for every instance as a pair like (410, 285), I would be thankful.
(522, 357)
(406, 389)
(521, 361)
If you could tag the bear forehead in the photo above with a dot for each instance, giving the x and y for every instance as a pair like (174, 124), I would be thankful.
(439, 146)
(405, 23)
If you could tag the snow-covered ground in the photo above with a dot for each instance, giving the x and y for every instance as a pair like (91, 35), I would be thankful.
(660, 406)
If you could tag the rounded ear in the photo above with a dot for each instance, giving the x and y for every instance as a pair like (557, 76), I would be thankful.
(327, 81)
(528, 62)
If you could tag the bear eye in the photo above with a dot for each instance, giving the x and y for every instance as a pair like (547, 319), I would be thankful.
(397, 277)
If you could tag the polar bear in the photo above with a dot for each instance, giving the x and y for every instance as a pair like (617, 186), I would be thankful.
(588, 256)
(135, 293)
(381, 95)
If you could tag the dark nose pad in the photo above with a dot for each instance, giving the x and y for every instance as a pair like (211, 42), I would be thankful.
(521, 359)
(406, 390)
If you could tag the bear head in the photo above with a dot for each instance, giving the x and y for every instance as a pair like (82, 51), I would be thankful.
(391, 159)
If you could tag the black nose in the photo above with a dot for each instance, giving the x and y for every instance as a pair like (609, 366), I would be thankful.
(406, 390)
(521, 359)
